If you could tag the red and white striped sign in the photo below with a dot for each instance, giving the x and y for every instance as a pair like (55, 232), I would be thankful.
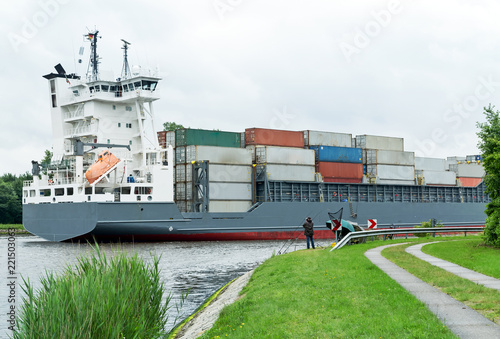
(336, 225)
(372, 223)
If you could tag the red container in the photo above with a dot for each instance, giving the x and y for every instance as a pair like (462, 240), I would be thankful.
(274, 137)
(162, 139)
(469, 182)
(340, 170)
(343, 180)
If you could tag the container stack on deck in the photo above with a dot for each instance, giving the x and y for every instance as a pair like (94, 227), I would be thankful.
(336, 160)
(386, 160)
(236, 160)
(229, 169)
(469, 170)
(432, 171)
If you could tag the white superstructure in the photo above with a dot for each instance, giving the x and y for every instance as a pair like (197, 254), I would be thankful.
(95, 113)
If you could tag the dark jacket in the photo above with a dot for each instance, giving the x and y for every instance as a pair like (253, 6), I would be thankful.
(308, 225)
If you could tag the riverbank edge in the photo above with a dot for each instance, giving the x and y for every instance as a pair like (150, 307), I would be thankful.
(179, 328)
(192, 320)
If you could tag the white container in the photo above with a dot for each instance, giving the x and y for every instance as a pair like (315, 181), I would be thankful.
(284, 155)
(216, 173)
(395, 182)
(230, 206)
(230, 173)
(180, 173)
(392, 172)
(170, 138)
(430, 164)
(380, 142)
(183, 191)
(353, 142)
(252, 151)
(382, 157)
(319, 138)
(290, 172)
(219, 155)
(439, 177)
(229, 191)
(180, 155)
(472, 170)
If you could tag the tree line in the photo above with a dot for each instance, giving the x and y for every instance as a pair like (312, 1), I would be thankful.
(11, 194)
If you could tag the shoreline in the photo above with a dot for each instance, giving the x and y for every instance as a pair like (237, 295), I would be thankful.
(204, 318)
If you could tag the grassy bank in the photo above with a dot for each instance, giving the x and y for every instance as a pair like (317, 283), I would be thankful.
(19, 229)
(322, 294)
(467, 252)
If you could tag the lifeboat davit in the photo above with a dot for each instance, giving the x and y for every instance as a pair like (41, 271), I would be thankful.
(104, 163)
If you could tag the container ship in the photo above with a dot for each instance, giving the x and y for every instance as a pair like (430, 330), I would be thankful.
(114, 177)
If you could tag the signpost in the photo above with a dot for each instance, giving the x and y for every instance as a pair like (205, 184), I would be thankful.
(372, 224)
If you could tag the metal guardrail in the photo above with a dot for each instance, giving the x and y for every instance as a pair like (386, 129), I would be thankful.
(389, 231)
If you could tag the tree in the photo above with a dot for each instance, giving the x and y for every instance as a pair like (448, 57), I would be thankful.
(171, 126)
(489, 144)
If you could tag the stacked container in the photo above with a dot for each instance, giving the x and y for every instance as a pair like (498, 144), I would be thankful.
(229, 177)
(314, 138)
(432, 171)
(166, 138)
(338, 164)
(285, 163)
(273, 137)
(468, 174)
(386, 161)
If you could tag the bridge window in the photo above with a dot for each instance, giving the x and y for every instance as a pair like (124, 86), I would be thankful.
(105, 88)
(59, 191)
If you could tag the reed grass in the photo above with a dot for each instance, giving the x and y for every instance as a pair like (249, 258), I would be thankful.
(101, 297)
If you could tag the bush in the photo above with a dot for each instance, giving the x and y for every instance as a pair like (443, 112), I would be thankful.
(121, 297)
(491, 234)
(426, 224)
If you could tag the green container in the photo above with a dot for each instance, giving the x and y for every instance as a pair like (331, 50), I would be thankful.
(187, 137)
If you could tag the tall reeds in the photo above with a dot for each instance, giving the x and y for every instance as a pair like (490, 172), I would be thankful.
(116, 297)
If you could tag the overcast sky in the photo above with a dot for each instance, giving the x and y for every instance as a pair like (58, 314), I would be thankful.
(421, 70)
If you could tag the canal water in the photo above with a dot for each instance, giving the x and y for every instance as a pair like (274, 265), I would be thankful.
(200, 267)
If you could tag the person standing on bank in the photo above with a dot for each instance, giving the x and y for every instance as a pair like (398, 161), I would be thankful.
(309, 231)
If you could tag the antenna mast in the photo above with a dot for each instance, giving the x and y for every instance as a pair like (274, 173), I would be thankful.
(93, 69)
(126, 68)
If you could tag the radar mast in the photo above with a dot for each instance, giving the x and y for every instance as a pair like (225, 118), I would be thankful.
(126, 68)
(93, 69)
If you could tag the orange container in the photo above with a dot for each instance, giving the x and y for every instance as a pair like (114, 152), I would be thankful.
(340, 170)
(274, 137)
(469, 182)
(343, 180)
(103, 164)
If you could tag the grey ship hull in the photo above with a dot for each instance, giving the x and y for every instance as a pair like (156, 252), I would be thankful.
(269, 221)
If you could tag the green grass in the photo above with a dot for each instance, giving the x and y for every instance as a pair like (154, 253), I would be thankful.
(322, 294)
(15, 226)
(470, 253)
(120, 297)
(484, 300)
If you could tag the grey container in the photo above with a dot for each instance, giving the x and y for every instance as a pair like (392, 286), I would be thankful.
(317, 138)
(380, 142)
(280, 172)
(395, 182)
(229, 191)
(391, 172)
(180, 155)
(230, 206)
(219, 155)
(448, 178)
(284, 155)
(472, 170)
(430, 164)
(383, 157)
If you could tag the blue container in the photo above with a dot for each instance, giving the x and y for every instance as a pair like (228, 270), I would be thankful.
(338, 154)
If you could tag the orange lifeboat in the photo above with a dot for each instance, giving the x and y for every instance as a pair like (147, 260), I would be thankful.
(104, 163)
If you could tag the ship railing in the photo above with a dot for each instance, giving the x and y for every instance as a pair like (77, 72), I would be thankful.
(406, 231)
(81, 130)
